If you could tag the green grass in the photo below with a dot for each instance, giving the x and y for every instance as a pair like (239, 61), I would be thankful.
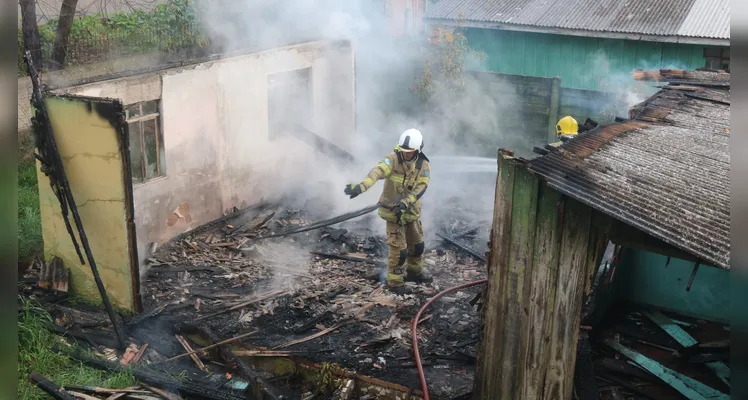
(35, 353)
(29, 220)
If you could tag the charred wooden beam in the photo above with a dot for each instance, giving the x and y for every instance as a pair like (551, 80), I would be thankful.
(338, 257)
(312, 322)
(50, 387)
(152, 377)
(622, 367)
(627, 385)
(584, 376)
(461, 247)
(259, 385)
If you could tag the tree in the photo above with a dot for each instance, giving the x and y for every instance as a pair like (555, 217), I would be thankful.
(444, 65)
(30, 31)
(64, 24)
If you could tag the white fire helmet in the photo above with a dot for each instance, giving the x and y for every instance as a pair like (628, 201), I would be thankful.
(411, 140)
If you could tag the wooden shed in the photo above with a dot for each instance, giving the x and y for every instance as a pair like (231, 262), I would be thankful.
(658, 183)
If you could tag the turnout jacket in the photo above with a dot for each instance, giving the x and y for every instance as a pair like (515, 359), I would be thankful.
(404, 181)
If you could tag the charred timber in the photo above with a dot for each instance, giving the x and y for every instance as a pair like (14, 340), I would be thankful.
(584, 376)
(261, 387)
(461, 247)
(338, 257)
(50, 387)
(145, 375)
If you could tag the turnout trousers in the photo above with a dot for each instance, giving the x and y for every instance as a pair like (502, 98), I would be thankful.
(406, 248)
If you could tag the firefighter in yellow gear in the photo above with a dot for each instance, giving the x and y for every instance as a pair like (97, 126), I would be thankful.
(407, 173)
(567, 126)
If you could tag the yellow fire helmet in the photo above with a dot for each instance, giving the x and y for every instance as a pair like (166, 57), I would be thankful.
(567, 126)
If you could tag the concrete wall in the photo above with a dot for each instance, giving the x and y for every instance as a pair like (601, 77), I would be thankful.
(215, 121)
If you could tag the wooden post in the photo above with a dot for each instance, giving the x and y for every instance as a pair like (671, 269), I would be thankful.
(538, 268)
(553, 108)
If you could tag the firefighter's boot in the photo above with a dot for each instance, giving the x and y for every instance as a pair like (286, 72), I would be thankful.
(414, 259)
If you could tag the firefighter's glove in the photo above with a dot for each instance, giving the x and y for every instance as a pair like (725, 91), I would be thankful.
(400, 209)
(353, 190)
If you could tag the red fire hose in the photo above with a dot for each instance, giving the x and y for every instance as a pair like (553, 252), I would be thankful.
(414, 331)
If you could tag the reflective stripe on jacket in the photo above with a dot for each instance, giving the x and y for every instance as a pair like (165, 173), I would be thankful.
(402, 180)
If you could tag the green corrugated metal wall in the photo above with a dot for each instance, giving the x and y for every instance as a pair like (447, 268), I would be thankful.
(576, 59)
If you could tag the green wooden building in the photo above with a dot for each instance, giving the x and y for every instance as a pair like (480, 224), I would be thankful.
(591, 44)
(655, 190)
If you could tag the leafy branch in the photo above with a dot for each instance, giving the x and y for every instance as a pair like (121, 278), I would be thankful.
(444, 64)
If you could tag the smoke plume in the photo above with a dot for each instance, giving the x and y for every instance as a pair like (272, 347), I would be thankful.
(385, 69)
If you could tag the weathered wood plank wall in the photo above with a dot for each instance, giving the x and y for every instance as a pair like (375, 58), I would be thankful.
(581, 104)
(524, 109)
(530, 107)
(544, 249)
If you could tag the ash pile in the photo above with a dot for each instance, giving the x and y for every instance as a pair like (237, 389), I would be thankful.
(270, 311)
(310, 296)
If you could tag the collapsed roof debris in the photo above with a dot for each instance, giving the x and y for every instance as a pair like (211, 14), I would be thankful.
(666, 171)
(632, 350)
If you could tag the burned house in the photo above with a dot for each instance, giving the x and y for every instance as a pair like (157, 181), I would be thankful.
(163, 156)
(152, 155)
(654, 189)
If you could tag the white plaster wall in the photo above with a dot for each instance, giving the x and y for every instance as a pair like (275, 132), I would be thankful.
(254, 168)
(215, 122)
(189, 107)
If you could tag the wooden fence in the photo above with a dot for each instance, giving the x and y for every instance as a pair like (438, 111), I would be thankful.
(538, 103)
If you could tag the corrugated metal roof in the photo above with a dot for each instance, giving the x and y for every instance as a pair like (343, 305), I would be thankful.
(708, 18)
(665, 172)
(685, 18)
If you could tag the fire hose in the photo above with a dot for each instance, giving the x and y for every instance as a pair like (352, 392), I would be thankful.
(414, 330)
(322, 224)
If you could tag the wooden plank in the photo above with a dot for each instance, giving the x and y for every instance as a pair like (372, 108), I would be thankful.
(587, 94)
(684, 339)
(502, 89)
(510, 78)
(580, 114)
(526, 113)
(539, 101)
(567, 305)
(598, 242)
(544, 278)
(688, 387)
(517, 292)
(489, 365)
(554, 101)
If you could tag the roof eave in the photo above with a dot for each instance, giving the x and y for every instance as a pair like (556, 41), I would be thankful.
(577, 32)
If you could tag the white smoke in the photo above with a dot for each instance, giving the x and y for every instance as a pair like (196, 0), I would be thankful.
(385, 69)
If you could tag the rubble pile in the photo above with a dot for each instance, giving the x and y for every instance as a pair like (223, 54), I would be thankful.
(651, 354)
(308, 297)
